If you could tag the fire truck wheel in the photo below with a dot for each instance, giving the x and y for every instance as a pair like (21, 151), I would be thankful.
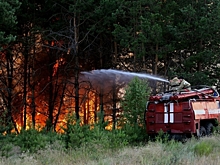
(209, 128)
(202, 131)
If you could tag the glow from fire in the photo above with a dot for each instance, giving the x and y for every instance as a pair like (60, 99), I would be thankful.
(36, 108)
(88, 109)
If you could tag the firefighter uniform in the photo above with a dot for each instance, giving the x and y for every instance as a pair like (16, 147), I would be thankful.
(174, 84)
(179, 85)
(184, 86)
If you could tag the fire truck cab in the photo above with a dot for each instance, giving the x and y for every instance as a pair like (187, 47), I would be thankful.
(196, 112)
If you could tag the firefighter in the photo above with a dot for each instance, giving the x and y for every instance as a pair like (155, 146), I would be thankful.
(174, 83)
(184, 85)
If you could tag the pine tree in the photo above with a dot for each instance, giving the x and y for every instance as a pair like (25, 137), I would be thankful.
(133, 106)
(8, 21)
(198, 25)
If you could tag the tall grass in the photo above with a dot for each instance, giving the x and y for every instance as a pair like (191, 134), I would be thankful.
(202, 152)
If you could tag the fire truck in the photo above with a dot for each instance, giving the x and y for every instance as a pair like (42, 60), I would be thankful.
(184, 114)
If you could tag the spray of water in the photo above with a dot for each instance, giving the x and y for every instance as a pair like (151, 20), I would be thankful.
(111, 72)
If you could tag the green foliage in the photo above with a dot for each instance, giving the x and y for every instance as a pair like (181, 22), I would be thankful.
(8, 21)
(6, 144)
(162, 137)
(133, 105)
(135, 134)
(146, 27)
(4, 125)
(197, 78)
(32, 140)
(29, 141)
(5, 150)
(203, 148)
(95, 136)
(77, 135)
(134, 101)
(196, 31)
(102, 150)
(128, 30)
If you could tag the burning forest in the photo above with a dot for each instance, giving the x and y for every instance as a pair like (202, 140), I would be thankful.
(40, 91)
(44, 68)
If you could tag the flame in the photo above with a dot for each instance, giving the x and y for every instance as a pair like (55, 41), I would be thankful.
(88, 112)
(89, 101)
(89, 108)
(58, 63)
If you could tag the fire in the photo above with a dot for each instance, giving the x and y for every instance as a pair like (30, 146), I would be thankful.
(59, 62)
(89, 108)
(42, 102)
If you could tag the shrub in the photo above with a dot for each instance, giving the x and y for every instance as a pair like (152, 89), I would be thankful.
(96, 135)
(162, 137)
(32, 140)
(203, 148)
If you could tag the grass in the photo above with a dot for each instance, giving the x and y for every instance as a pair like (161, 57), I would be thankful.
(202, 152)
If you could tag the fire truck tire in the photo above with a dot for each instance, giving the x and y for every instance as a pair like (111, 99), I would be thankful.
(202, 131)
(209, 128)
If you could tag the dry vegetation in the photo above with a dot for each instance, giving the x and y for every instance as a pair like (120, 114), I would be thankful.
(204, 151)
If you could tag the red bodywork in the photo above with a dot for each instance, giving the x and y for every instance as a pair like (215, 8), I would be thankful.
(182, 113)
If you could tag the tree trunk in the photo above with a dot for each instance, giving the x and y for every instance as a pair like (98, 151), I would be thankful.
(25, 84)
(199, 68)
(101, 53)
(114, 56)
(9, 90)
(77, 87)
(52, 96)
(156, 60)
(114, 104)
(76, 24)
(96, 107)
(101, 103)
(60, 106)
(32, 88)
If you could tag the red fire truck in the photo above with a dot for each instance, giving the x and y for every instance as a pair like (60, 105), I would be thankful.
(196, 113)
